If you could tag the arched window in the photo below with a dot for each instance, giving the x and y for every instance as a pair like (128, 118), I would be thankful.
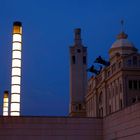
(101, 112)
(100, 98)
(121, 104)
(109, 109)
(73, 59)
(134, 60)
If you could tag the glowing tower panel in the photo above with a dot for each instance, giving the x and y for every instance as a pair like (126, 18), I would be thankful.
(6, 104)
(16, 69)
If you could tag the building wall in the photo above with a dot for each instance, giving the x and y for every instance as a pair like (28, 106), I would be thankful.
(123, 125)
(114, 84)
(50, 128)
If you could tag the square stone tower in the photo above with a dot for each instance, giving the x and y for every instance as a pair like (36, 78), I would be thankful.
(78, 76)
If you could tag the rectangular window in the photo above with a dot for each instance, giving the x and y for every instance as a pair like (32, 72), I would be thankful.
(108, 73)
(109, 109)
(129, 62)
(139, 63)
(135, 60)
(113, 67)
(130, 84)
(121, 104)
(135, 84)
(120, 64)
(73, 59)
(84, 60)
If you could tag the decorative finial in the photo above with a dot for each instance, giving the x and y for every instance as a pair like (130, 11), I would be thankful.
(122, 25)
(122, 35)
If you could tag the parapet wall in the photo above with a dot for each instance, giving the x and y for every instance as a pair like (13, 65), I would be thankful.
(50, 128)
(123, 125)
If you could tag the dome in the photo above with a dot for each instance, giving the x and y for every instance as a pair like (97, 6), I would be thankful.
(122, 41)
(122, 46)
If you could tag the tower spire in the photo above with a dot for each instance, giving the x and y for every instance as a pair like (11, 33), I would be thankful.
(122, 34)
(77, 38)
(122, 25)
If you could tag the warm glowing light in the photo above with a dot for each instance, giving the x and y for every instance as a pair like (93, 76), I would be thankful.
(6, 103)
(16, 54)
(15, 98)
(5, 107)
(16, 71)
(15, 89)
(17, 46)
(15, 80)
(5, 100)
(16, 63)
(17, 38)
(5, 113)
(15, 107)
(15, 113)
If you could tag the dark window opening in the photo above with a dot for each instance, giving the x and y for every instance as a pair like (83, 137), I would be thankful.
(108, 73)
(73, 59)
(113, 67)
(135, 84)
(120, 64)
(139, 62)
(100, 98)
(116, 90)
(130, 84)
(84, 60)
(76, 107)
(133, 100)
(101, 112)
(80, 107)
(78, 50)
(109, 108)
(135, 60)
(121, 104)
(129, 62)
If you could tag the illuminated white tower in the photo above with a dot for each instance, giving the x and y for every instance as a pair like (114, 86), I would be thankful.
(78, 76)
(6, 104)
(16, 69)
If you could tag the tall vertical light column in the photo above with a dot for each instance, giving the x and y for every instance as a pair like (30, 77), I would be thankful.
(6, 103)
(16, 69)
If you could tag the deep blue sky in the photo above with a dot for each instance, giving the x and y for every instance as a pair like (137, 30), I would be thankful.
(47, 34)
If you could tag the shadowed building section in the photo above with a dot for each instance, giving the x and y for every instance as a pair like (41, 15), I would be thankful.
(78, 76)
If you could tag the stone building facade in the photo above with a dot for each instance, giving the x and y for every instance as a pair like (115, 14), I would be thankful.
(117, 85)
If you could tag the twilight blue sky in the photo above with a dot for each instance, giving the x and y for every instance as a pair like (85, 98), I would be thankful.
(47, 34)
